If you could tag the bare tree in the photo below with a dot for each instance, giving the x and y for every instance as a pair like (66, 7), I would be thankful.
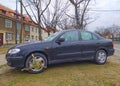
(108, 31)
(81, 10)
(55, 14)
(35, 9)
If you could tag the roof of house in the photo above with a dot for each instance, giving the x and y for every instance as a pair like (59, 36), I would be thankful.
(11, 13)
(49, 29)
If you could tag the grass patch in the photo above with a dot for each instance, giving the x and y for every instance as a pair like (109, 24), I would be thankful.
(68, 74)
(3, 66)
(4, 48)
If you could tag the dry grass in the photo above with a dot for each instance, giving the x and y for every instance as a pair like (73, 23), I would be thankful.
(4, 48)
(67, 74)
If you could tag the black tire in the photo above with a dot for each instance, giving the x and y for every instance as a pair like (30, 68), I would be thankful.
(37, 55)
(101, 57)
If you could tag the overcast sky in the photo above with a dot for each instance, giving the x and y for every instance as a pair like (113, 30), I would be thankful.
(102, 18)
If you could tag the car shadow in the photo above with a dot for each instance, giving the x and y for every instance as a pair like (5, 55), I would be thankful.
(56, 66)
(66, 64)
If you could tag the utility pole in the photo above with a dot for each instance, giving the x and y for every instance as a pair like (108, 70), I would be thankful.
(16, 32)
(21, 11)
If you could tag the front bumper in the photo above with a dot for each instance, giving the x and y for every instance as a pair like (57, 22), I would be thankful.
(15, 61)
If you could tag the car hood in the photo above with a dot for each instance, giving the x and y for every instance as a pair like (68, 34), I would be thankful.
(30, 44)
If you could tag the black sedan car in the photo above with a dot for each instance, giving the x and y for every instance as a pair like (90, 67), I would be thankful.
(63, 46)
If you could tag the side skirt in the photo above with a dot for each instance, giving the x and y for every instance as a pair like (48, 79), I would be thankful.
(70, 60)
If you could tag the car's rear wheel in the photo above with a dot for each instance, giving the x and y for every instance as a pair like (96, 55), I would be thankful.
(36, 63)
(101, 57)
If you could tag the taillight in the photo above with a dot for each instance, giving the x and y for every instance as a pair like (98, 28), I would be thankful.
(112, 43)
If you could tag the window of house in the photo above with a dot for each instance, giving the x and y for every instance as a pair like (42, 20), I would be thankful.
(36, 38)
(18, 26)
(32, 29)
(27, 28)
(9, 36)
(70, 36)
(36, 30)
(8, 23)
(27, 38)
(15, 16)
(32, 37)
(86, 35)
(18, 37)
(3, 12)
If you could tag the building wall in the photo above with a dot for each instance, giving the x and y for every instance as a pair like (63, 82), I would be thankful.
(31, 34)
(12, 31)
(44, 34)
(5, 30)
(34, 34)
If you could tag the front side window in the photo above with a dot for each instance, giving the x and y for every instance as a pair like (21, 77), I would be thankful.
(86, 35)
(8, 23)
(51, 37)
(70, 36)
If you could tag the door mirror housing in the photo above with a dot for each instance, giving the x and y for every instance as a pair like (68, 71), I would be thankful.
(60, 40)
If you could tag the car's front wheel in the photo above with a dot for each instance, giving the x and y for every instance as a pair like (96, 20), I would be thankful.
(100, 57)
(36, 63)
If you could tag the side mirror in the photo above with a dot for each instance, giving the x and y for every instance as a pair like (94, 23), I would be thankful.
(60, 40)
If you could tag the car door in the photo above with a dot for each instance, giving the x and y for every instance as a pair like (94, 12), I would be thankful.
(90, 44)
(69, 48)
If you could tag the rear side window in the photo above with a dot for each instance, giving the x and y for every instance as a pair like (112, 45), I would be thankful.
(86, 35)
(94, 37)
(70, 36)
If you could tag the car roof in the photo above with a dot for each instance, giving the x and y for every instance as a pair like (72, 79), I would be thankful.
(73, 30)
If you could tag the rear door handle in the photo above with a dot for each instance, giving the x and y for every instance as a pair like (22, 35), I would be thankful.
(97, 43)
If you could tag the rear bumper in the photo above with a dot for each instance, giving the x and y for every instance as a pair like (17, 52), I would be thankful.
(15, 61)
(111, 52)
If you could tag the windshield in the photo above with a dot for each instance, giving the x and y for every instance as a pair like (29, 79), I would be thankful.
(51, 37)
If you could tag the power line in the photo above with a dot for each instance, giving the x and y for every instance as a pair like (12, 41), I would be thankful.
(105, 10)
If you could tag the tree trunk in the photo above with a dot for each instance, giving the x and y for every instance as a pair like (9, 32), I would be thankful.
(40, 32)
(77, 17)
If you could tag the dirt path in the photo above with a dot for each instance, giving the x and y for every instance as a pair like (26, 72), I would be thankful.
(117, 49)
(2, 59)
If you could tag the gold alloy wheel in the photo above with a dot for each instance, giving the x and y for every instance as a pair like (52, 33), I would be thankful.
(36, 63)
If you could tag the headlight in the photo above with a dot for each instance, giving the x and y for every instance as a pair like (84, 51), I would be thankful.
(13, 51)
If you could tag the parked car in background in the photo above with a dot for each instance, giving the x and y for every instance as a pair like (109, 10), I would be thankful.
(63, 46)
